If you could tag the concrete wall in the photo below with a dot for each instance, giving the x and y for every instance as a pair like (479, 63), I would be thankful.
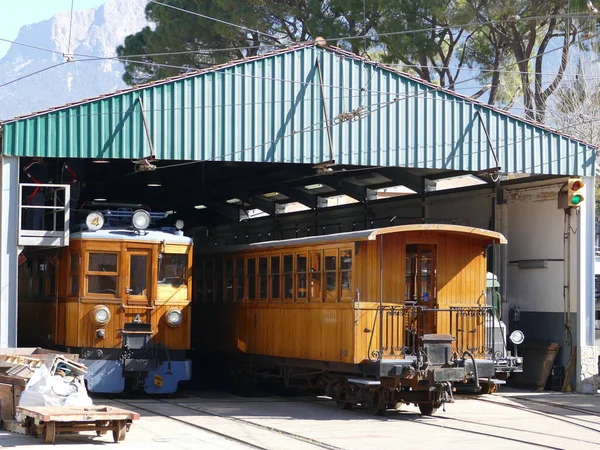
(545, 302)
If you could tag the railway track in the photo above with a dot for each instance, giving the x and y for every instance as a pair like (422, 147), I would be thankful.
(531, 422)
(144, 406)
(575, 421)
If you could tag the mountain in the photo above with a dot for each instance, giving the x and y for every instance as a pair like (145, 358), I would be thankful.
(95, 32)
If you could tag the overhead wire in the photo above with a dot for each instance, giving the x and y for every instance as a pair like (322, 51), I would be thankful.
(216, 20)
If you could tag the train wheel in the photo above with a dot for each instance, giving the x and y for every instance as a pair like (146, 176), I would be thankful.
(375, 404)
(429, 409)
(487, 388)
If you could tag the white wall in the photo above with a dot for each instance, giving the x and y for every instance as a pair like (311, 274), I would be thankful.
(535, 231)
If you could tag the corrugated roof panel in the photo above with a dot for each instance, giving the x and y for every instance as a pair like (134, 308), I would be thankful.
(272, 108)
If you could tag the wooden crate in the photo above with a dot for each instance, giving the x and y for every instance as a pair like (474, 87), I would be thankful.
(10, 393)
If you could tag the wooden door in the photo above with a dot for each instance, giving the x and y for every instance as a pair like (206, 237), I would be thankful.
(138, 277)
(421, 283)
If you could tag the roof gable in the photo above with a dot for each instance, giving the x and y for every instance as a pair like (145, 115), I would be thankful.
(305, 104)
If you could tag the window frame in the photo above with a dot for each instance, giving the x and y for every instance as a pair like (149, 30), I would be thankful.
(87, 273)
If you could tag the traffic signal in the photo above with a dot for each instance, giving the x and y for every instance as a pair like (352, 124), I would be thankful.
(575, 192)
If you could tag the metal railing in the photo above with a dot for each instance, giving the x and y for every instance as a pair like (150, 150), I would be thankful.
(397, 330)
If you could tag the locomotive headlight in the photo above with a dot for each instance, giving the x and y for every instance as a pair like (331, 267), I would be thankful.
(101, 314)
(174, 317)
(179, 224)
(141, 219)
(517, 337)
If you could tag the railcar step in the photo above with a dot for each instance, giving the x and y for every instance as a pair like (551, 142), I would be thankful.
(364, 382)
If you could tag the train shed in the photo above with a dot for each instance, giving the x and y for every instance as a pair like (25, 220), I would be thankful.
(313, 140)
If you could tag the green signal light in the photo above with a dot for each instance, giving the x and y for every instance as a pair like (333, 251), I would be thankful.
(576, 199)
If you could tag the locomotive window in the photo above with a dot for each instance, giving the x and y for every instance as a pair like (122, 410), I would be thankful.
(41, 278)
(74, 271)
(51, 279)
(346, 274)
(229, 280)
(102, 276)
(262, 278)
(138, 273)
(172, 269)
(74, 262)
(331, 275)
(288, 276)
(275, 277)
(301, 276)
(251, 275)
(239, 280)
(315, 275)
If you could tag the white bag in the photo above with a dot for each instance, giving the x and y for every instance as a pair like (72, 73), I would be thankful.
(44, 389)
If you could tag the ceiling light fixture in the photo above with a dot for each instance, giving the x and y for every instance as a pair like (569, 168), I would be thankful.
(314, 186)
(233, 200)
(100, 161)
(271, 194)
(200, 206)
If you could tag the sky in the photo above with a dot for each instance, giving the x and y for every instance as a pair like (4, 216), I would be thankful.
(16, 13)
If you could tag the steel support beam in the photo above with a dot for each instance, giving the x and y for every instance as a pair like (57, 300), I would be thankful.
(360, 193)
(9, 179)
(310, 200)
(233, 212)
(404, 178)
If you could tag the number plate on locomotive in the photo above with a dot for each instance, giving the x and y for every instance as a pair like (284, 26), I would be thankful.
(158, 380)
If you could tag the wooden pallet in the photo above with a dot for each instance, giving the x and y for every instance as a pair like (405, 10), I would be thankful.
(73, 419)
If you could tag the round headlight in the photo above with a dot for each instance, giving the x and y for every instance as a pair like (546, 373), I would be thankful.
(101, 314)
(141, 219)
(94, 221)
(517, 337)
(179, 224)
(174, 317)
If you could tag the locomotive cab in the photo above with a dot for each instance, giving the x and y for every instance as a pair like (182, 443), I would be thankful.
(123, 300)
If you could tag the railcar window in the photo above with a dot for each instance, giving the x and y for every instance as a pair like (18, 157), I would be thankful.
(346, 274)
(199, 281)
(239, 279)
(288, 276)
(262, 278)
(315, 276)
(331, 275)
(251, 274)
(138, 274)
(102, 277)
(209, 281)
(420, 282)
(301, 276)
(172, 269)
(219, 280)
(229, 280)
(275, 278)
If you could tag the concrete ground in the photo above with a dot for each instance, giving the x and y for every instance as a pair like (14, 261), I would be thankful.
(510, 419)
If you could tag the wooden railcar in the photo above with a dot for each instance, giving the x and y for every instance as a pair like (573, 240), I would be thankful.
(119, 296)
(376, 317)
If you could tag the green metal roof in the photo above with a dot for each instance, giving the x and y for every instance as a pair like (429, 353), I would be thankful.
(270, 108)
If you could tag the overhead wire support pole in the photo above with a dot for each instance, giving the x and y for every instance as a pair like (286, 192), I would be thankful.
(327, 124)
(147, 128)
